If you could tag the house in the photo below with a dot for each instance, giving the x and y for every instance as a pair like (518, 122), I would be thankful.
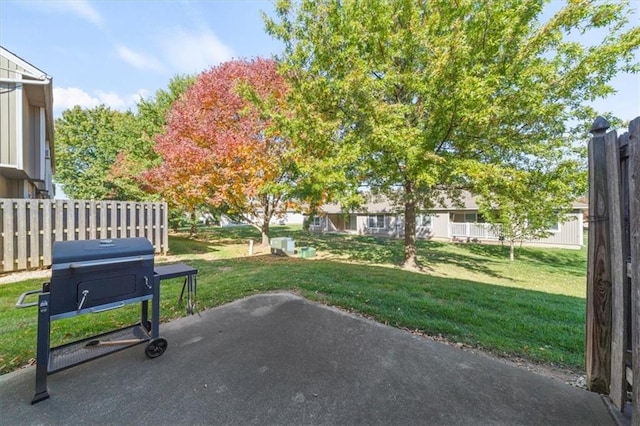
(291, 217)
(26, 129)
(448, 222)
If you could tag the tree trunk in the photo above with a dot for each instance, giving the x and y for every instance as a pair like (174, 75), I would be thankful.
(193, 229)
(511, 250)
(410, 253)
(306, 224)
(266, 219)
(264, 229)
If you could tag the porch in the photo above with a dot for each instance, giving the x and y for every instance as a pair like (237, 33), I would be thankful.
(481, 231)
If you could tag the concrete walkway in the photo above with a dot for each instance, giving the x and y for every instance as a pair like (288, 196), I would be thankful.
(280, 359)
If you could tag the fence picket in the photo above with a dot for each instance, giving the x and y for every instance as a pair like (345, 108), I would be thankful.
(29, 227)
(124, 223)
(22, 231)
(8, 258)
(634, 237)
(46, 233)
(93, 220)
(617, 390)
(34, 234)
(59, 230)
(70, 210)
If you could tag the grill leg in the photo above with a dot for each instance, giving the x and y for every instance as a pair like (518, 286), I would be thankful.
(155, 308)
(42, 351)
(144, 315)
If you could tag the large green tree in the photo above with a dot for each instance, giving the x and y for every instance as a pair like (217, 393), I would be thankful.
(415, 97)
(88, 141)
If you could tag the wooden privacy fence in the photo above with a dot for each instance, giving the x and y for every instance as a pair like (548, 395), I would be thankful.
(28, 228)
(612, 349)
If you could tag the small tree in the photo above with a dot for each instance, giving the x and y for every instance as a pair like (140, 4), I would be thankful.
(220, 146)
(524, 205)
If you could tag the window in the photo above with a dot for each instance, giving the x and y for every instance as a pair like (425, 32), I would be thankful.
(375, 221)
(423, 220)
(467, 217)
(554, 227)
(351, 222)
(316, 221)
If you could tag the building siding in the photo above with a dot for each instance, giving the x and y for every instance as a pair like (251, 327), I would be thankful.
(10, 93)
(32, 142)
(569, 234)
(440, 225)
(25, 130)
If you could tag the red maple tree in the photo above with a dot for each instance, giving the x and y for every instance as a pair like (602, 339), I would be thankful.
(220, 147)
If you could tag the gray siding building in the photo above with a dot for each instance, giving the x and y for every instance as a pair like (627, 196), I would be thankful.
(443, 222)
(26, 129)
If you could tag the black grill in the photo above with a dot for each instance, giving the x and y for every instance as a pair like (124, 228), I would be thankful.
(97, 274)
(90, 277)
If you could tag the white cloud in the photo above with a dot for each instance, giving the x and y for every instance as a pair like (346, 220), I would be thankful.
(195, 52)
(112, 100)
(139, 60)
(68, 97)
(81, 8)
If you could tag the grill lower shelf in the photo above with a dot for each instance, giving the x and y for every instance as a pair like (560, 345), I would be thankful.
(74, 353)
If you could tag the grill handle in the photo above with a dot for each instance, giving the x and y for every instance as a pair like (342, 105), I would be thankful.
(103, 263)
(84, 297)
(20, 303)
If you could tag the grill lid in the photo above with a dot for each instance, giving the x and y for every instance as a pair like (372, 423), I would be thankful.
(64, 252)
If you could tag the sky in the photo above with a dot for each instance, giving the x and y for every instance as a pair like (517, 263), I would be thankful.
(113, 52)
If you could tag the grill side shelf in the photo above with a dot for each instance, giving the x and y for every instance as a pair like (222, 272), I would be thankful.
(71, 354)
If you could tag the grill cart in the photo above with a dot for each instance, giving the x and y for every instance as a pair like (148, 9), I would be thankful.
(94, 276)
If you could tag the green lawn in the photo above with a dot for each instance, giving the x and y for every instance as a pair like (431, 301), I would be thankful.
(470, 293)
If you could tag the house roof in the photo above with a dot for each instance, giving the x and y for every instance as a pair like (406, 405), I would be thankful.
(382, 205)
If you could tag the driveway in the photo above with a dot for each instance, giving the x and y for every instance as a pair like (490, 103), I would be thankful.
(281, 359)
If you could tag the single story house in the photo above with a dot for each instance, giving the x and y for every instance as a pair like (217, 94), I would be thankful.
(289, 218)
(448, 223)
(26, 129)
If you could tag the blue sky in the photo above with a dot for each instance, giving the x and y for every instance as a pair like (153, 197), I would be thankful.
(114, 51)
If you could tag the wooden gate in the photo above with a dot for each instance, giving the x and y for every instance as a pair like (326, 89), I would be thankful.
(612, 350)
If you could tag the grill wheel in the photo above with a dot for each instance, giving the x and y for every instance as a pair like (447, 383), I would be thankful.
(156, 347)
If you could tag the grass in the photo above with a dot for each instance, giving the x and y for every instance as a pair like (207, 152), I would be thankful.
(532, 308)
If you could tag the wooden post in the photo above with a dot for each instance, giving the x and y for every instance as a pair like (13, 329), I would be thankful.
(598, 315)
(618, 393)
(634, 215)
